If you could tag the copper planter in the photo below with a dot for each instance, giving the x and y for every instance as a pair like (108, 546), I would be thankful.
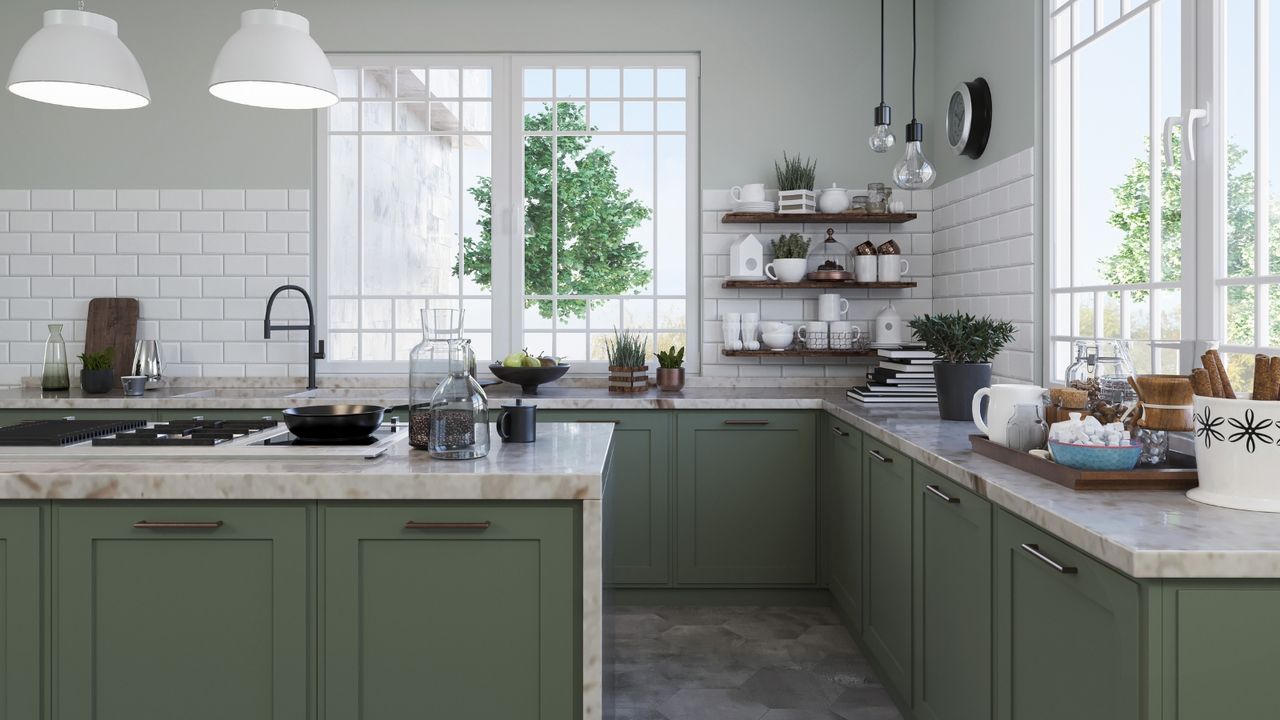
(670, 379)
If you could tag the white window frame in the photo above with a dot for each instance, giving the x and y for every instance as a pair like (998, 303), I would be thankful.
(1198, 241)
(507, 211)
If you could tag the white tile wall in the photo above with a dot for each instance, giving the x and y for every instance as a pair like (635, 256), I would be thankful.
(200, 262)
(794, 306)
(984, 254)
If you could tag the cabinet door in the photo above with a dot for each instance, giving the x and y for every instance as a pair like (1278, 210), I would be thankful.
(953, 600)
(639, 497)
(746, 508)
(1067, 634)
(22, 602)
(887, 562)
(192, 611)
(843, 505)
(450, 611)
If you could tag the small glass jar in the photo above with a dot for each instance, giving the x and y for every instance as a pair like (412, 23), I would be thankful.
(878, 195)
(459, 412)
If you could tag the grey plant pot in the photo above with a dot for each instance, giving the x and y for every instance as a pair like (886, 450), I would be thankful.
(957, 383)
(95, 381)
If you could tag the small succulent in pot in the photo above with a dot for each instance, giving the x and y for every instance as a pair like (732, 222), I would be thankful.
(965, 346)
(670, 369)
(95, 377)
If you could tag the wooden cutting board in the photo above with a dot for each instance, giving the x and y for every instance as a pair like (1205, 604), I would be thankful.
(113, 323)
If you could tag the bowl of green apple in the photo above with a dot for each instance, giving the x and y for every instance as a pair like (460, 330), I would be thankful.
(527, 371)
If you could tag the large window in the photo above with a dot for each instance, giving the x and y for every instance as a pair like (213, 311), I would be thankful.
(1162, 116)
(552, 198)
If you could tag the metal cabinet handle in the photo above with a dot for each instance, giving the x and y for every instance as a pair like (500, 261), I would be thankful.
(177, 525)
(1035, 552)
(415, 525)
(605, 422)
(876, 454)
(938, 491)
(746, 422)
(839, 432)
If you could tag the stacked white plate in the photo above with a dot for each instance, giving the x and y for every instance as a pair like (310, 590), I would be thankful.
(764, 206)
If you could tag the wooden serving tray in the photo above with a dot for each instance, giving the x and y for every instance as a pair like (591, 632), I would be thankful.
(1177, 473)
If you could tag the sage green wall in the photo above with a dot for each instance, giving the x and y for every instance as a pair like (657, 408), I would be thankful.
(798, 75)
(995, 39)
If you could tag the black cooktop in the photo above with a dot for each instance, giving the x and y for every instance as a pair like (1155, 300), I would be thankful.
(185, 433)
(56, 433)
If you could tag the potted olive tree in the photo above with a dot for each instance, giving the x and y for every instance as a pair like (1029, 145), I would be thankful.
(965, 346)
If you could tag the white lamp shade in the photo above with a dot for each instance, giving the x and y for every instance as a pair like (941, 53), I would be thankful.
(272, 62)
(77, 60)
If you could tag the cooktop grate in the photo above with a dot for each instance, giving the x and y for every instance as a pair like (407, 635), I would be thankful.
(56, 433)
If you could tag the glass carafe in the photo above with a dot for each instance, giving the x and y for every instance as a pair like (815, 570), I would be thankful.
(459, 411)
(424, 370)
(55, 375)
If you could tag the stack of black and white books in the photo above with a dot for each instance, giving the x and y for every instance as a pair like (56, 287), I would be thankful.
(903, 377)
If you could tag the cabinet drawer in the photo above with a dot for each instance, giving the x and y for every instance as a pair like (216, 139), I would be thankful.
(181, 609)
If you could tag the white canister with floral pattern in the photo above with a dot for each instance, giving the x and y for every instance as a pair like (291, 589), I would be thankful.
(1237, 453)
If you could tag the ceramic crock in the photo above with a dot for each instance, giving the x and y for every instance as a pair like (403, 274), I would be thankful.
(1237, 453)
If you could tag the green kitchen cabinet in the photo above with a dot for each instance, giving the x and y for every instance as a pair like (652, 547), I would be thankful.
(196, 611)
(842, 503)
(953, 610)
(746, 499)
(1068, 631)
(1221, 649)
(448, 610)
(22, 611)
(639, 494)
(887, 562)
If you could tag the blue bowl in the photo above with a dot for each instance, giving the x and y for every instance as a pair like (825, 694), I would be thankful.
(1096, 457)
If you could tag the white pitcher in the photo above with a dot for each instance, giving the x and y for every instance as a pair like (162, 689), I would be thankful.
(1002, 398)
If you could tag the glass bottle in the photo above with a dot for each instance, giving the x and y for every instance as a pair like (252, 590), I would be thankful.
(55, 375)
(424, 362)
(1027, 429)
(1155, 446)
(459, 411)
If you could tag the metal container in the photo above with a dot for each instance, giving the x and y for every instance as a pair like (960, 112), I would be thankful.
(146, 360)
(133, 385)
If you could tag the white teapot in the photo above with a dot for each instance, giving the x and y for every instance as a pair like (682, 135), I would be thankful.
(833, 200)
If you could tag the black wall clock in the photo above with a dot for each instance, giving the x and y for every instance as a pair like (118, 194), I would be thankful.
(969, 118)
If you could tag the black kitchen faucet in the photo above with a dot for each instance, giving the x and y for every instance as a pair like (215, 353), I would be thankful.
(313, 352)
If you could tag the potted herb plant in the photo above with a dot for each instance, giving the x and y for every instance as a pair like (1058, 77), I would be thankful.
(627, 371)
(965, 346)
(670, 369)
(790, 258)
(95, 376)
(795, 184)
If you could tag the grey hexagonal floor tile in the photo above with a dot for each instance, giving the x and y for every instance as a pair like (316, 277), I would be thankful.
(800, 715)
(845, 669)
(702, 614)
(791, 689)
(690, 704)
(715, 672)
(868, 702)
(638, 624)
(645, 688)
(768, 625)
(639, 714)
(827, 638)
(701, 638)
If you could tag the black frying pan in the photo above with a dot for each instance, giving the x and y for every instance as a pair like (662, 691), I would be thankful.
(333, 422)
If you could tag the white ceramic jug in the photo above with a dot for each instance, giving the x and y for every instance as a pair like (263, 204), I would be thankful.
(1002, 398)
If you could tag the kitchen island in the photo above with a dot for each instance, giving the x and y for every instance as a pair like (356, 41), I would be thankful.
(294, 587)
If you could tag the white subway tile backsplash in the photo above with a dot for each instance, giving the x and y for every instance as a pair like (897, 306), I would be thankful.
(15, 199)
(95, 199)
(186, 243)
(30, 221)
(269, 243)
(247, 221)
(202, 308)
(116, 222)
(182, 287)
(138, 287)
(72, 221)
(116, 265)
(159, 265)
(223, 200)
(95, 243)
(138, 243)
(288, 265)
(244, 265)
(201, 265)
(201, 221)
(28, 265)
(180, 199)
(137, 199)
(288, 221)
(267, 199)
(95, 286)
(15, 243)
(68, 265)
(52, 200)
(299, 199)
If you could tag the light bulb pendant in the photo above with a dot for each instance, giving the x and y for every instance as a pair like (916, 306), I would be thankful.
(914, 171)
(882, 137)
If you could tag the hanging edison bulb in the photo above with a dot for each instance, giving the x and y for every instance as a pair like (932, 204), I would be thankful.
(882, 137)
(914, 171)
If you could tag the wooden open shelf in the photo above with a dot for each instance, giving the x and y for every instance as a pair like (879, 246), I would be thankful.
(844, 217)
(818, 284)
(801, 353)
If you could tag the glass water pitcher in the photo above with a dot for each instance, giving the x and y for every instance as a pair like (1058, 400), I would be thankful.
(459, 411)
(55, 375)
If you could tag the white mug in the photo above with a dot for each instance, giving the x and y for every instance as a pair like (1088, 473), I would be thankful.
(843, 334)
(864, 268)
(1001, 399)
(751, 192)
(814, 335)
(832, 307)
(892, 267)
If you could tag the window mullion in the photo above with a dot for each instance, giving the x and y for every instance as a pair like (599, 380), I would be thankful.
(1262, 151)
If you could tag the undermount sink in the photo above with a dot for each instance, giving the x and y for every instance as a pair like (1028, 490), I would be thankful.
(348, 393)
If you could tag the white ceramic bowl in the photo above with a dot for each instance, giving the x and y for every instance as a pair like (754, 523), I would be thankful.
(1237, 453)
(772, 326)
(776, 340)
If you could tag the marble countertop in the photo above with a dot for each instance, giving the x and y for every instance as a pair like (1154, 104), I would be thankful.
(566, 463)
(1144, 534)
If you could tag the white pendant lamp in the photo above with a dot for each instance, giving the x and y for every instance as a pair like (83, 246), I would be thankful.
(77, 60)
(272, 62)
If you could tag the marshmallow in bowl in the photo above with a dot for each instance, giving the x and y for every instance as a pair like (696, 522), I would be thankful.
(1088, 431)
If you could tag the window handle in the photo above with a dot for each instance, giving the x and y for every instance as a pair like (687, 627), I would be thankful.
(1169, 123)
(1188, 124)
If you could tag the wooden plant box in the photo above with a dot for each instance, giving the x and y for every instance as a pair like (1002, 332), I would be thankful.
(1178, 473)
(796, 202)
(628, 379)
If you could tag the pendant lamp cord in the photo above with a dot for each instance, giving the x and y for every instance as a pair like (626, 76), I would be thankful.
(913, 60)
(881, 52)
